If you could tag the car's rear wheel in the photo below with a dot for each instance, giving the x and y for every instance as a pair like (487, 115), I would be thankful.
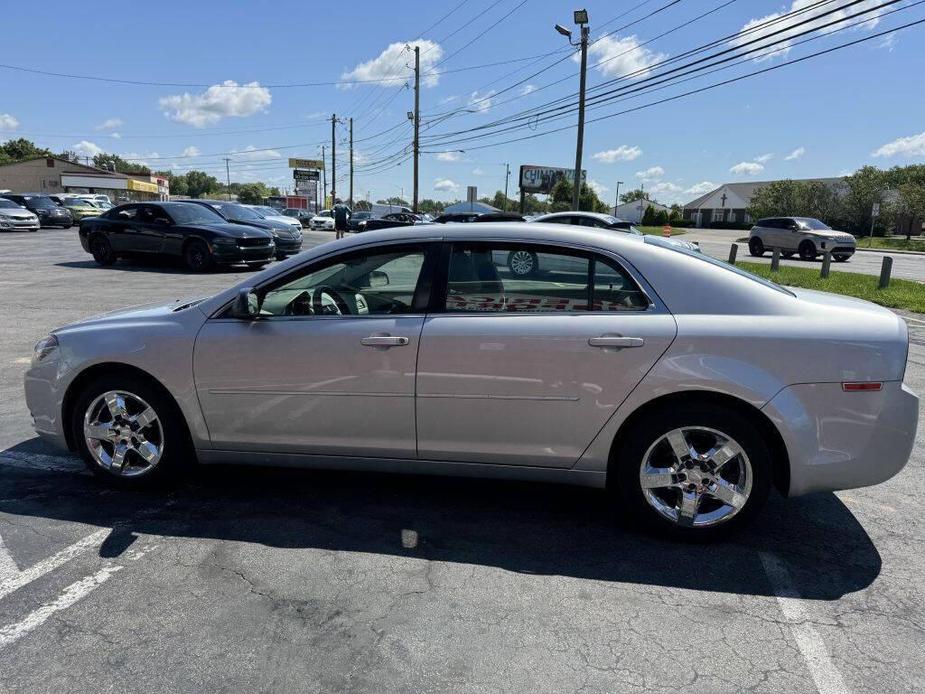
(523, 263)
(756, 246)
(129, 432)
(807, 251)
(102, 251)
(693, 472)
(197, 256)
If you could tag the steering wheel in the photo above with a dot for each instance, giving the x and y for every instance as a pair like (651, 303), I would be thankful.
(339, 308)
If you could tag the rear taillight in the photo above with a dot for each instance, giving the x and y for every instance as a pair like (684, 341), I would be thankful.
(858, 386)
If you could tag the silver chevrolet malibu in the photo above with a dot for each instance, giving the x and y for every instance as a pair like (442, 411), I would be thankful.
(686, 387)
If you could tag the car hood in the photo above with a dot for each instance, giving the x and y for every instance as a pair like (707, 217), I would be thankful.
(829, 234)
(283, 220)
(267, 224)
(16, 214)
(238, 231)
(133, 314)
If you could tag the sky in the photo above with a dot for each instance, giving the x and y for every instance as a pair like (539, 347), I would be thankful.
(258, 84)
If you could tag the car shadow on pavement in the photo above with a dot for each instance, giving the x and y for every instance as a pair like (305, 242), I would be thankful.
(160, 265)
(521, 527)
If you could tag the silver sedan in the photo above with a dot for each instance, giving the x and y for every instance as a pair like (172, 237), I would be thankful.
(685, 387)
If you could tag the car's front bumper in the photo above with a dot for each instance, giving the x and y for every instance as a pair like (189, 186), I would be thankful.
(287, 247)
(44, 402)
(230, 255)
(56, 220)
(843, 440)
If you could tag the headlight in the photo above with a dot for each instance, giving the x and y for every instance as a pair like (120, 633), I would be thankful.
(6, 222)
(45, 350)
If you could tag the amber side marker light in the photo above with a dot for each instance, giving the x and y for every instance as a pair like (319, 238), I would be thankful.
(861, 386)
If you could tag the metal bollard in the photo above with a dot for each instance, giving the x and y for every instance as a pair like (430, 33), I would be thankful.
(885, 270)
(732, 253)
(826, 264)
(775, 260)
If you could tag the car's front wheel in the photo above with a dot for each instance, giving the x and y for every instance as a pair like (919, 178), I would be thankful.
(102, 251)
(756, 246)
(128, 432)
(693, 471)
(523, 263)
(197, 256)
(807, 251)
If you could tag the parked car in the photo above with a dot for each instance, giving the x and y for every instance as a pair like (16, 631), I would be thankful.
(353, 224)
(393, 219)
(15, 217)
(80, 208)
(465, 217)
(619, 376)
(195, 233)
(304, 217)
(523, 264)
(323, 221)
(275, 215)
(43, 207)
(804, 235)
(288, 239)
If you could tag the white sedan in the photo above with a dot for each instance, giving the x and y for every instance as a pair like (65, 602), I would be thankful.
(323, 221)
(684, 386)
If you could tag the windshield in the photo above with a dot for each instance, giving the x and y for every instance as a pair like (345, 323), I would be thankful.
(193, 214)
(813, 224)
(267, 211)
(9, 204)
(664, 243)
(40, 201)
(361, 215)
(231, 211)
(73, 202)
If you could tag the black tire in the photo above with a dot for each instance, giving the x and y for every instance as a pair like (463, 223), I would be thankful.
(841, 258)
(807, 250)
(177, 451)
(756, 247)
(197, 256)
(631, 450)
(102, 251)
(523, 263)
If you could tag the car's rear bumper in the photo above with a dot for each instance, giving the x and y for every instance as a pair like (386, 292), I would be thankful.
(843, 440)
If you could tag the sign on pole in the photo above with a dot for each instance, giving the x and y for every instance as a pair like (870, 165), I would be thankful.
(875, 210)
(306, 164)
(305, 175)
(542, 179)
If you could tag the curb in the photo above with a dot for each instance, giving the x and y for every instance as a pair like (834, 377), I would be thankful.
(888, 250)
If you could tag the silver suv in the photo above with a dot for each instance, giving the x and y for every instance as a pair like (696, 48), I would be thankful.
(803, 235)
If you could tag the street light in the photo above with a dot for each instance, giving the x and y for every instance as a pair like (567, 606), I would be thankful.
(581, 19)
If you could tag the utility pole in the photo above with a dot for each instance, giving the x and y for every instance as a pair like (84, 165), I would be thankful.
(616, 203)
(351, 163)
(507, 177)
(228, 175)
(581, 112)
(417, 121)
(333, 159)
(324, 176)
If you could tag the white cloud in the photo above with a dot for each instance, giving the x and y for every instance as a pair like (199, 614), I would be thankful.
(912, 146)
(621, 153)
(7, 122)
(218, 101)
(701, 188)
(191, 151)
(392, 64)
(527, 89)
(747, 168)
(448, 156)
(651, 174)
(115, 136)
(819, 16)
(138, 158)
(665, 187)
(795, 154)
(251, 153)
(888, 42)
(448, 99)
(481, 102)
(445, 185)
(87, 149)
(622, 56)
(110, 124)
(597, 187)
(764, 158)
(477, 172)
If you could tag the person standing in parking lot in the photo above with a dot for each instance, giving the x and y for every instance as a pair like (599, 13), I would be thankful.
(341, 214)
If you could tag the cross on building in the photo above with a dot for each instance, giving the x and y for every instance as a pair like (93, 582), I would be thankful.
(723, 199)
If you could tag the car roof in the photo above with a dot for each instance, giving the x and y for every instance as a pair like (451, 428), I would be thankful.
(579, 213)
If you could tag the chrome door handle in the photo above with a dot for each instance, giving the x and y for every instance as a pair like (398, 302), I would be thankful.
(607, 341)
(384, 341)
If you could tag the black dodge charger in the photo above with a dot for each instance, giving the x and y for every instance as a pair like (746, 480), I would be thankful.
(196, 233)
(288, 242)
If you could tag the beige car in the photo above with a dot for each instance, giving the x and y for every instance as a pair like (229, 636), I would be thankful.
(805, 236)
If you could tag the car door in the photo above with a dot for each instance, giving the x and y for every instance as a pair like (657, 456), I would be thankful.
(145, 232)
(526, 370)
(328, 367)
(117, 228)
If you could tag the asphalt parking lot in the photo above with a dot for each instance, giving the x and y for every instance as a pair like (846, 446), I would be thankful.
(260, 580)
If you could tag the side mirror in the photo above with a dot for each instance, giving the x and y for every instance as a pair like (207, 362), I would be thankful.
(246, 305)
(377, 278)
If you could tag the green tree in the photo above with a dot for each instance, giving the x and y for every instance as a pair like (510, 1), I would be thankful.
(561, 198)
(648, 217)
(634, 195)
(274, 192)
(661, 217)
(907, 208)
(676, 215)
(198, 183)
(21, 149)
(799, 198)
(107, 160)
(252, 193)
(863, 188)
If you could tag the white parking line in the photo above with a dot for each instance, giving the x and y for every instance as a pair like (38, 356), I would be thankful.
(8, 567)
(70, 595)
(36, 571)
(825, 675)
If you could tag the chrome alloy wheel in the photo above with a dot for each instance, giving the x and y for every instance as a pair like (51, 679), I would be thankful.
(521, 262)
(123, 434)
(696, 477)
